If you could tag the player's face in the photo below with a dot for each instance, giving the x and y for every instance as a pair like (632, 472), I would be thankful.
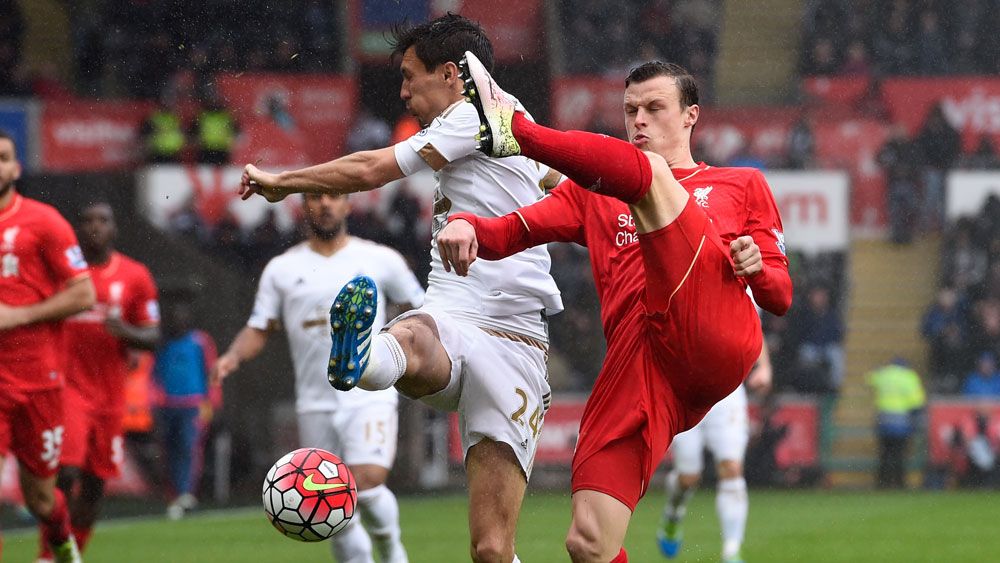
(654, 118)
(97, 227)
(10, 168)
(426, 93)
(325, 214)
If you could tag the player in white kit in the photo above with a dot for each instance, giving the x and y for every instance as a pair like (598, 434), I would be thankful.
(295, 293)
(478, 346)
(724, 431)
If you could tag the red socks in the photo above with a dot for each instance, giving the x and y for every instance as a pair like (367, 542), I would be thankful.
(82, 536)
(55, 527)
(598, 163)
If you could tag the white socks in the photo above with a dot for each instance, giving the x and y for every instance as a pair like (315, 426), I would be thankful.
(731, 504)
(677, 499)
(352, 544)
(380, 514)
(386, 364)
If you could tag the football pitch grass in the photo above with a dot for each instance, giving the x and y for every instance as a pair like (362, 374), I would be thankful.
(793, 526)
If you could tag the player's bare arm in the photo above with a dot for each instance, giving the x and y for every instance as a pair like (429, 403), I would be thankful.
(747, 260)
(77, 296)
(357, 172)
(458, 246)
(247, 345)
(141, 337)
(761, 376)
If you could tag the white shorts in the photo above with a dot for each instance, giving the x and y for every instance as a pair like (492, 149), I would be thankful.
(724, 431)
(499, 384)
(358, 436)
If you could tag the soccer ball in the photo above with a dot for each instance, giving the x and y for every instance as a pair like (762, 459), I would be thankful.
(309, 495)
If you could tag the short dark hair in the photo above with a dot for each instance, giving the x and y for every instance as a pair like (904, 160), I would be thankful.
(6, 135)
(685, 82)
(442, 40)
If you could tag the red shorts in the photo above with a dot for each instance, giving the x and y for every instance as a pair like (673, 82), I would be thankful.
(31, 426)
(93, 439)
(690, 343)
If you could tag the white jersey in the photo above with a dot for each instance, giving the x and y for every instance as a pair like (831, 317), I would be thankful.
(296, 291)
(511, 291)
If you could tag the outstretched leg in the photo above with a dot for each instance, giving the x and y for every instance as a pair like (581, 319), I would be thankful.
(642, 180)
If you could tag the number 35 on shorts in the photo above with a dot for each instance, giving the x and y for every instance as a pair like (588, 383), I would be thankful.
(537, 415)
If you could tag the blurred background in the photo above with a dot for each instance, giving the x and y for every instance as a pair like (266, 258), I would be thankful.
(875, 123)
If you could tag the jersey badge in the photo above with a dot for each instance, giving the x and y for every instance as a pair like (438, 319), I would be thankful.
(781, 240)
(701, 195)
(75, 258)
(9, 236)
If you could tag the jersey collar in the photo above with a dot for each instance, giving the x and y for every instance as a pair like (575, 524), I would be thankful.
(682, 174)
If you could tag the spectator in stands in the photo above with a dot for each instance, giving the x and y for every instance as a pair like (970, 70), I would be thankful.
(181, 369)
(938, 145)
(894, 49)
(822, 59)
(816, 332)
(162, 134)
(984, 381)
(11, 34)
(899, 398)
(898, 158)
(931, 45)
(984, 157)
(943, 327)
(214, 131)
(980, 456)
(965, 260)
(801, 143)
(856, 60)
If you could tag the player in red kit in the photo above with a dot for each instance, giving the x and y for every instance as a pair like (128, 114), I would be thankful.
(97, 342)
(43, 279)
(672, 250)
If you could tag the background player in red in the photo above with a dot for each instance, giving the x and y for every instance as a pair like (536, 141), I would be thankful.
(43, 279)
(97, 342)
(672, 251)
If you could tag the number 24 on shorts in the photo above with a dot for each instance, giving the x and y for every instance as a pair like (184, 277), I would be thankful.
(534, 421)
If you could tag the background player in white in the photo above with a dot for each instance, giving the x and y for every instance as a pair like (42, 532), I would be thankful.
(295, 292)
(479, 343)
(724, 431)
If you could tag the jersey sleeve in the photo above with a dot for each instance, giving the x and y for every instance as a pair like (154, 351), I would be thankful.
(266, 312)
(61, 251)
(143, 308)
(402, 286)
(772, 286)
(554, 218)
(450, 137)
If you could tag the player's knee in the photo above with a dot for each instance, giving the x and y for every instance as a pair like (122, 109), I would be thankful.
(39, 501)
(491, 548)
(730, 469)
(583, 542)
(688, 481)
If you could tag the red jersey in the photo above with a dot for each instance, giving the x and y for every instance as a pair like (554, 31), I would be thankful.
(39, 255)
(737, 200)
(97, 361)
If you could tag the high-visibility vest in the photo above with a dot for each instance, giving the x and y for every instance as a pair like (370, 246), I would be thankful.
(167, 138)
(897, 389)
(216, 130)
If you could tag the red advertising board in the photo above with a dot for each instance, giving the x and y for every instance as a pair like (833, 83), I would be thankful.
(853, 145)
(91, 135)
(798, 448)
(971, 104)
(837, 90)
(290, 119)
(946, 417)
